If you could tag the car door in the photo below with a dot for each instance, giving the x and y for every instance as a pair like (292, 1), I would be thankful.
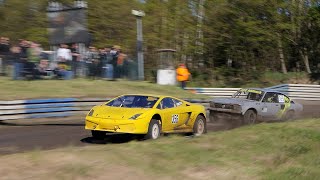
(184, 113)
(166, 106)
(270, 105)
(285, 104)
(173, 113)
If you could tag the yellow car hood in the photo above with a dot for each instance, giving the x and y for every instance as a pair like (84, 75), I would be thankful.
(117, 113)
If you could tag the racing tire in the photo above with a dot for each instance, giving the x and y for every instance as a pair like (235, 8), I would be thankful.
(154, 130)
(289, 115)
(200, 126)
(98, 134)
(250, 117)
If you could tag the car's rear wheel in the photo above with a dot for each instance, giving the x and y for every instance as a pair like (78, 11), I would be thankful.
(98, 134)
(250, 117)
(154, 130)
(200, 126)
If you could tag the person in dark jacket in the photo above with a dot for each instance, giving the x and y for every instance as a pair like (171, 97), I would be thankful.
(115, 54)
(4, 54)
(75, 59)
(18, 62)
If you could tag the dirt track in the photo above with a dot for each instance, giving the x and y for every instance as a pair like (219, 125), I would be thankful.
(25, 135)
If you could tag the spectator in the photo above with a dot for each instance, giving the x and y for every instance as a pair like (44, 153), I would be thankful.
(102, 61)
(182, 75)
(44, 64)
(24, 45)
(64, 57)
(93, 62)
(35, 56)
(120, 61)
(107, 66)
(115, 54)
(75, 59)
(34, 53)
(4, 53)
(63, 53)
(17, 58)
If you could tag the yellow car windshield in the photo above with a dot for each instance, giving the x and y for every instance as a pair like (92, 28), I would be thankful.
(134, 101)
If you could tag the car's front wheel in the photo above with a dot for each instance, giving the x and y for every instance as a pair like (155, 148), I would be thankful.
(98, 134)
(154, 130)
(250, 117)
(289, 116)
(199, 126)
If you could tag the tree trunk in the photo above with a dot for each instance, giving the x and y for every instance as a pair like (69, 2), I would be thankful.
(281, 56)
(305, 59)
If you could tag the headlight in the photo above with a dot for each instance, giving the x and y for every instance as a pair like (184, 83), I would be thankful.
(91, 112)
(134, 117)
(237, 107)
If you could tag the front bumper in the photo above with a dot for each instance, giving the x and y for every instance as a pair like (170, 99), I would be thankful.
(138, 126)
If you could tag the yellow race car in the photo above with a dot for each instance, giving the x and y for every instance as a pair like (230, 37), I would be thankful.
(148, 115)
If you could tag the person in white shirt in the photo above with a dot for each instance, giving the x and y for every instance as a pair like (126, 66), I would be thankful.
(64, 57)
(64, 54)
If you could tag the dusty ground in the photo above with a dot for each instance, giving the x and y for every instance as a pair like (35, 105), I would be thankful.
(50, 133)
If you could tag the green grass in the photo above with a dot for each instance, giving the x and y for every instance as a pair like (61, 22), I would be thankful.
(12, 90)
(265, 151)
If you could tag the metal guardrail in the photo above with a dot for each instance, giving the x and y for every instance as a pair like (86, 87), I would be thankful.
(294, 91)
(299, 91)
(214, 92)
(42, 108)
(62, 107)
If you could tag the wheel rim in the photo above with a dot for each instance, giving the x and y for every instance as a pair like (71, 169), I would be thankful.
(200, 127)
(155, 131)
(252, 118)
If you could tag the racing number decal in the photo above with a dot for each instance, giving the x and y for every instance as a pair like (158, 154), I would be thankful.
(175, 118)
(287, 105)
(281, 98)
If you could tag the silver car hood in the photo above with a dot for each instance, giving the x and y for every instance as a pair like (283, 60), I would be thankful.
(231, 101)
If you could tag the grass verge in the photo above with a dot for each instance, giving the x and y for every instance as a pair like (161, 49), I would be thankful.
(265, 151)
(12, 90)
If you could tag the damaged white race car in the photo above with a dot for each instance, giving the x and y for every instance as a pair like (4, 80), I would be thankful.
(252, 105)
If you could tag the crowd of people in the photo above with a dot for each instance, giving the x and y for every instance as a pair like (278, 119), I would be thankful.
(24, 57)
(29, 60)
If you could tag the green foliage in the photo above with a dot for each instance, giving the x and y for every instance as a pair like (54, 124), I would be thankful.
(246, 32)
(232, 77)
